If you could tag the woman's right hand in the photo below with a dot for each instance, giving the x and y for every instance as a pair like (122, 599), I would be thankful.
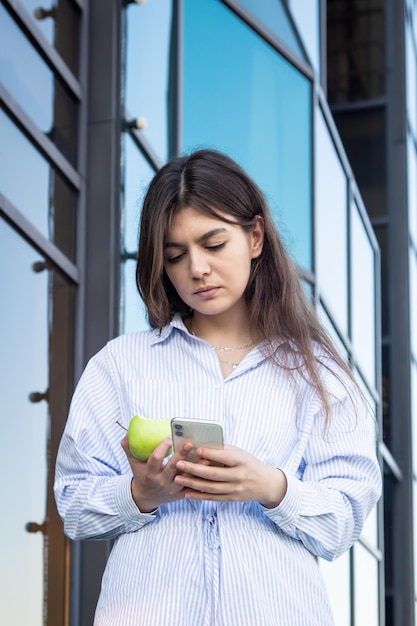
(153, 480)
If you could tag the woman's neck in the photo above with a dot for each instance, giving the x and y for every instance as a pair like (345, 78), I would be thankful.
(221, 331)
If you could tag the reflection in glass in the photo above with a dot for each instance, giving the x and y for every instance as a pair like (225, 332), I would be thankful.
(331, 225)
(138, 174)
(274, 16)
(337, 578)
(35, 188)
(147, 64)
(242, 97)
(355, 51)
(365, 587)
(133, 313)
(307, 18)
(33, 85)
(362, 297)
(24, 369)
(59, 23)
(364, 139)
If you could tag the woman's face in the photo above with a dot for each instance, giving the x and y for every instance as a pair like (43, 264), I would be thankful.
(209, 261)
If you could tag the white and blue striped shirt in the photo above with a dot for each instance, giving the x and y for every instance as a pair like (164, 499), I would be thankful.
(215, 564)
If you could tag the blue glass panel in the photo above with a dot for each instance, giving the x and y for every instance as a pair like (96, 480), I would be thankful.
(242, 97)
(331, 226)
(148, 43)
(59, 23)
(34, 87)
(25, 428)
(133, 311)
(137, 176)
(35, 188)
(275, 16)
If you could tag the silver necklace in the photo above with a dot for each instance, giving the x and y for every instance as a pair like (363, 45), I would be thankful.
(227, 349)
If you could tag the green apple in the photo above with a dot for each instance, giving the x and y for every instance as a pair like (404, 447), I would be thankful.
(145, 434)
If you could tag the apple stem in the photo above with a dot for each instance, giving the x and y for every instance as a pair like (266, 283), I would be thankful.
(124, 427)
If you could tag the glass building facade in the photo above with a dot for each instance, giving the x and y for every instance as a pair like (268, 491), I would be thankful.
(95, 96)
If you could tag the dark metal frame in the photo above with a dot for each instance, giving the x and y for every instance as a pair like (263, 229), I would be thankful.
(401, 535)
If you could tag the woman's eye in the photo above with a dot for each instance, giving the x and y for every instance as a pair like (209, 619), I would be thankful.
(216, 246)
(174, 259)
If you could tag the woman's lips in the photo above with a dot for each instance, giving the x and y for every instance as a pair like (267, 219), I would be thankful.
(206, 292)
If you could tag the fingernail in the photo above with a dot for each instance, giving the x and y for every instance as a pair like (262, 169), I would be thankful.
(180, 465)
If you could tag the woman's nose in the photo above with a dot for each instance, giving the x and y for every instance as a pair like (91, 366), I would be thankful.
(199, 265)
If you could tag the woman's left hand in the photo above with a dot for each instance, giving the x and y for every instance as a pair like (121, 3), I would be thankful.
(242, 477)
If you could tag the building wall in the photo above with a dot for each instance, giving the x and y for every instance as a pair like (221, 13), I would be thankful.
(246, 77)
(372, 93)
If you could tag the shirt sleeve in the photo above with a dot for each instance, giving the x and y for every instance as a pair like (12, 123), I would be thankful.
(338, 481)
(93, 477)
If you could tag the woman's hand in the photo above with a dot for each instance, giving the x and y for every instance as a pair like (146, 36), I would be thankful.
(153, 480)
(243, 477)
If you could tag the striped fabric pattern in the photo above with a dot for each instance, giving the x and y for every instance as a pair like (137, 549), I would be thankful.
(206, 563)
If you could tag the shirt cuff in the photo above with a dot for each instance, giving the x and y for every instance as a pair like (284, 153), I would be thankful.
(288, 509)
(126, 505)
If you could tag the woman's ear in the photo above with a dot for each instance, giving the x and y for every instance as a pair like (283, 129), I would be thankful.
(257, 237)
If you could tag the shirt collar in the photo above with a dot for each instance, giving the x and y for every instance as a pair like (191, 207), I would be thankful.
(158, 336)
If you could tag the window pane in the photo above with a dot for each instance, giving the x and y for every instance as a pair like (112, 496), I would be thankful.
(355, 50)
(307, 18)
(148, 42)
(362, 296)
(326, 321)
(242, 97)
(275, 17)
(24, 369)
(133, 312)
(331, 225)
(337, 579)
(59, 23)
(364, 139)
(138, 174)
(366, 587)
(35, 188)
(33, 85)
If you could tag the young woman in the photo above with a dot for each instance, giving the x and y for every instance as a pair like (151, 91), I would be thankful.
(232, 539)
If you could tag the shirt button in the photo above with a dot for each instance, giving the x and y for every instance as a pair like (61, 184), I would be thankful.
(218, 385)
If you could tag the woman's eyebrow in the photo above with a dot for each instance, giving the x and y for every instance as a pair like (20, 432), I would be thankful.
(204, 237)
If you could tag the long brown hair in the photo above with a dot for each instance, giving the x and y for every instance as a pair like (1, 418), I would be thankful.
(214, 184)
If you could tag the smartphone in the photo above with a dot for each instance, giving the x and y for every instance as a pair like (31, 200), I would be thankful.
(203, 433)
